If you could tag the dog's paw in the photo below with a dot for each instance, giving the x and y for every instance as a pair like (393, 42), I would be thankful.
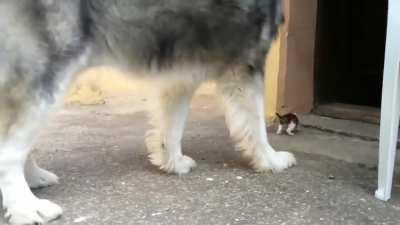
(41, 178)
(180, 165)
(184, 165)
(276, 162)
(35, 212)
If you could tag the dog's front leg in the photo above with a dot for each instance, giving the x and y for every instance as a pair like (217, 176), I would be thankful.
(242, 94)
(19, 128)
(168, 118)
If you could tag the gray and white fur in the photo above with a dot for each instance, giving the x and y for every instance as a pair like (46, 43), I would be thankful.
(175, 44)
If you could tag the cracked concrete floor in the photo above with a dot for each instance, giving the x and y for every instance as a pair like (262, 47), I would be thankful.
(106, 179)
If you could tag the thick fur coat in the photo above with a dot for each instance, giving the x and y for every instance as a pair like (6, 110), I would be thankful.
(175, 44)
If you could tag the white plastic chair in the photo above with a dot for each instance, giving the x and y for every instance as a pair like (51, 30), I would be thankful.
(390, 111)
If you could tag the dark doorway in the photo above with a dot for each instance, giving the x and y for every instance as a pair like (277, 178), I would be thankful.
(350, 52)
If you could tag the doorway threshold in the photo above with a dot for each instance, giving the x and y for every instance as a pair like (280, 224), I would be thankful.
(349, 112)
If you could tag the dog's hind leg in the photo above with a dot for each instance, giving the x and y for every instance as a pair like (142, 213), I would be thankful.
(38, 177)
(242, 94)
(168, 119)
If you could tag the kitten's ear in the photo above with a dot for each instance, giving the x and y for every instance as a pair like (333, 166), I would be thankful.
(279, 116)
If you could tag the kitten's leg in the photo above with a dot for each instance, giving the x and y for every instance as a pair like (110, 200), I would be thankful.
(168, 119)
(242, 94)
(291, 128)
(280, 128)
(38, 177)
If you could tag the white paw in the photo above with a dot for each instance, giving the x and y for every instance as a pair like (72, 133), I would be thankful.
(34, 212)
(41, 178)
(184, 165)
(275, 162)
(180, 165)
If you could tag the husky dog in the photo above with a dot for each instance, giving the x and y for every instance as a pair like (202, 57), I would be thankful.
(175, 44)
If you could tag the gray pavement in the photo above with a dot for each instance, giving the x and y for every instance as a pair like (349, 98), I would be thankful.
(106, 179)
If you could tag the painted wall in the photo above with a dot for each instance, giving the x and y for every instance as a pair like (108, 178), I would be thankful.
(296, 79)
(272, 72)
(290, 64)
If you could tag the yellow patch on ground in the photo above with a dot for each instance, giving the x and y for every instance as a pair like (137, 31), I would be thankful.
(93, 86)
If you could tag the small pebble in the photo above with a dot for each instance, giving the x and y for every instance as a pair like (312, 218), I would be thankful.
(81, 219)
(331, 177)
(156, 214)
(210, 179)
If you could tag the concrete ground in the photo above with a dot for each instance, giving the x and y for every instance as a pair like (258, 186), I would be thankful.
(106, 179)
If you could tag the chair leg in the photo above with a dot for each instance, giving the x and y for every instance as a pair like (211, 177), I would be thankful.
(390, 105)
(388, 138)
